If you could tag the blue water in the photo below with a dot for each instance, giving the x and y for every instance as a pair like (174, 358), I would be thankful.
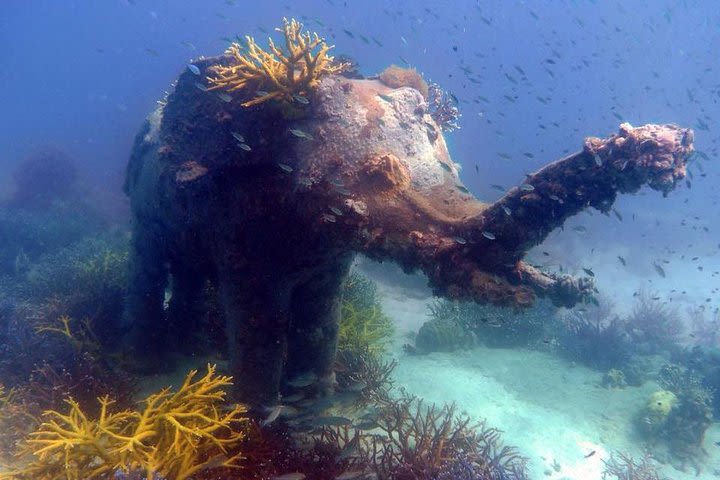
(532, 79)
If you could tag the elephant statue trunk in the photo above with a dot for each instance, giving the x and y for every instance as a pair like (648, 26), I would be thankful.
(269, 201)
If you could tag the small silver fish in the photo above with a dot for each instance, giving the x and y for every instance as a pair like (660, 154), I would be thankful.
(201, 87)
(598, 160)
(343, 191)
(460, 240)
(580, 229)
(462, 189)
(352, 475)
(244, 146)
(188, 44)
(488, 235)
(336, 211)
(285, 168)
(194, 69)
(303, 380)
(356, 387)
(326, 217)
(660, 271)
(296, 397)
(554, 197)
(274, 414)
(300, 134)
(238, 137)
(261, 93)
(224, 97)
(387, 98)
(507, 211)
(366, 425)
(301, 99)
(526, 187)
(331, 421)
(337, 182)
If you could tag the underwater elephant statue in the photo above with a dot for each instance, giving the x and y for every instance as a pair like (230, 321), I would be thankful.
(271, 203)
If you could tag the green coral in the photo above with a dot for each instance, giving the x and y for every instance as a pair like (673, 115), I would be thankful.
(363, 323)
(660, 403)
(91, 267)
(443, 335)
(86, 281)
(677, 417)
(652, 418)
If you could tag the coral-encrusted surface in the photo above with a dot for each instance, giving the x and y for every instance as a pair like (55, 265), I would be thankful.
(271, 202)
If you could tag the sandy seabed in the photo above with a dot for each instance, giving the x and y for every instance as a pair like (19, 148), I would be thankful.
(555, 412)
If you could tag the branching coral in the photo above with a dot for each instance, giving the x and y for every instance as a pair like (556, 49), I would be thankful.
(175, 435)
(84, 281)
(277, 74)
(654, 325)
(409, 440)
(363, 323)
(16, 419)
(595, 340)
(366, 373)
(704, 330)
(491, 325)
(49, 385)
(624, 467)
(443, 108)
(81, 336)
(421, 442)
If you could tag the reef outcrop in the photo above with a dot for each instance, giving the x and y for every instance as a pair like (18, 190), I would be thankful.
(270, 202)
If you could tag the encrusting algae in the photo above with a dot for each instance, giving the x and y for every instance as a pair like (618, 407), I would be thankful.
(175, 435)
(277, 74)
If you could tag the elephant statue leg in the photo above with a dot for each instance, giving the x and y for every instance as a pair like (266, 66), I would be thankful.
(315, 317)
(145, 330)
(256, 316)
(186, 309)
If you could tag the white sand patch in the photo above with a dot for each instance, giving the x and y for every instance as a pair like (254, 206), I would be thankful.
(555, 412)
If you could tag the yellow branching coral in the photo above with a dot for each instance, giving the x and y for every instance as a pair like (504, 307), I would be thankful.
(16, 420)
(81, 336)
(280, 74)
(175, 435)
(363, 324)
(364, 327)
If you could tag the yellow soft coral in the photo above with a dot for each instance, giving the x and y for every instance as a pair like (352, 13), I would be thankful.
(277, 74)
(175, 435)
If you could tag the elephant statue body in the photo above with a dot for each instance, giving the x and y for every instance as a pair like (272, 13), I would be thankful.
(270, 204)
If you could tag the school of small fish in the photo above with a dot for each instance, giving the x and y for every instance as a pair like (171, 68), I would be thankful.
(497, 92)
